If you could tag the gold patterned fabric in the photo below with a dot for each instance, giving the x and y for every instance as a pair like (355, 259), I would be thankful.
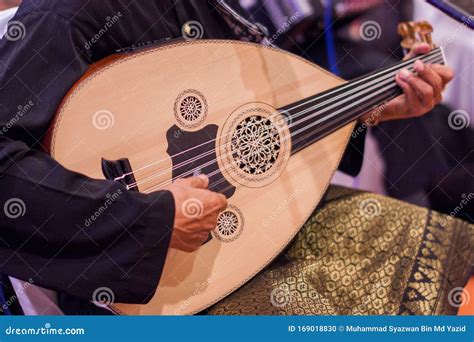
(363, 254)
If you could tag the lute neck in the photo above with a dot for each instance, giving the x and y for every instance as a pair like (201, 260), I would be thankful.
(315, 117)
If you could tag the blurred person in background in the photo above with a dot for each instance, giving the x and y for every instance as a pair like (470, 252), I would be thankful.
(427, 160)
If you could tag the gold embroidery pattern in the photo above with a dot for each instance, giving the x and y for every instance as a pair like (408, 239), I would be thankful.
(443, 263)
(362, 254)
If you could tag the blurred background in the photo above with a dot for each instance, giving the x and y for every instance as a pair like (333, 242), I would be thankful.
(4, 4)
(427, 161)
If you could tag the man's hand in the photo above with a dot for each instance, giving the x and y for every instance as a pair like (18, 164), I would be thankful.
(421, 92)
(196, 212)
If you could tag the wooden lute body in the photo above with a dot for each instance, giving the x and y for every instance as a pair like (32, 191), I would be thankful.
(211, 107)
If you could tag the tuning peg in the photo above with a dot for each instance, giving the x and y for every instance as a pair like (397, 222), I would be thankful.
(407, 31)
(424, 30)
(413, 32)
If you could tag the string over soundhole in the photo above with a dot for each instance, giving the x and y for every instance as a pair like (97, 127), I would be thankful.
(254, 145)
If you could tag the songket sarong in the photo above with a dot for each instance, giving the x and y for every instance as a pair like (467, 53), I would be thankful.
(364, 254)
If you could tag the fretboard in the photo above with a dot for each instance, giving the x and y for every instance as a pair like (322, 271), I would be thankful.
(315, 117)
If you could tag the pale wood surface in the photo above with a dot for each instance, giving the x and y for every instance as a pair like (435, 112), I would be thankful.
(140, 90)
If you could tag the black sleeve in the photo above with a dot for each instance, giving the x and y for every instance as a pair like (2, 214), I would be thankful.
(62, 230)
(353, 158)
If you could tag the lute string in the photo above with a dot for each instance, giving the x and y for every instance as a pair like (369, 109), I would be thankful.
(290, 136)
(192, 160)
(433, 53)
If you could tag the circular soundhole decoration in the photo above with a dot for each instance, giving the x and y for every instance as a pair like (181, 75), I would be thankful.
(255, 145)
(230, 224)
(190, 109)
